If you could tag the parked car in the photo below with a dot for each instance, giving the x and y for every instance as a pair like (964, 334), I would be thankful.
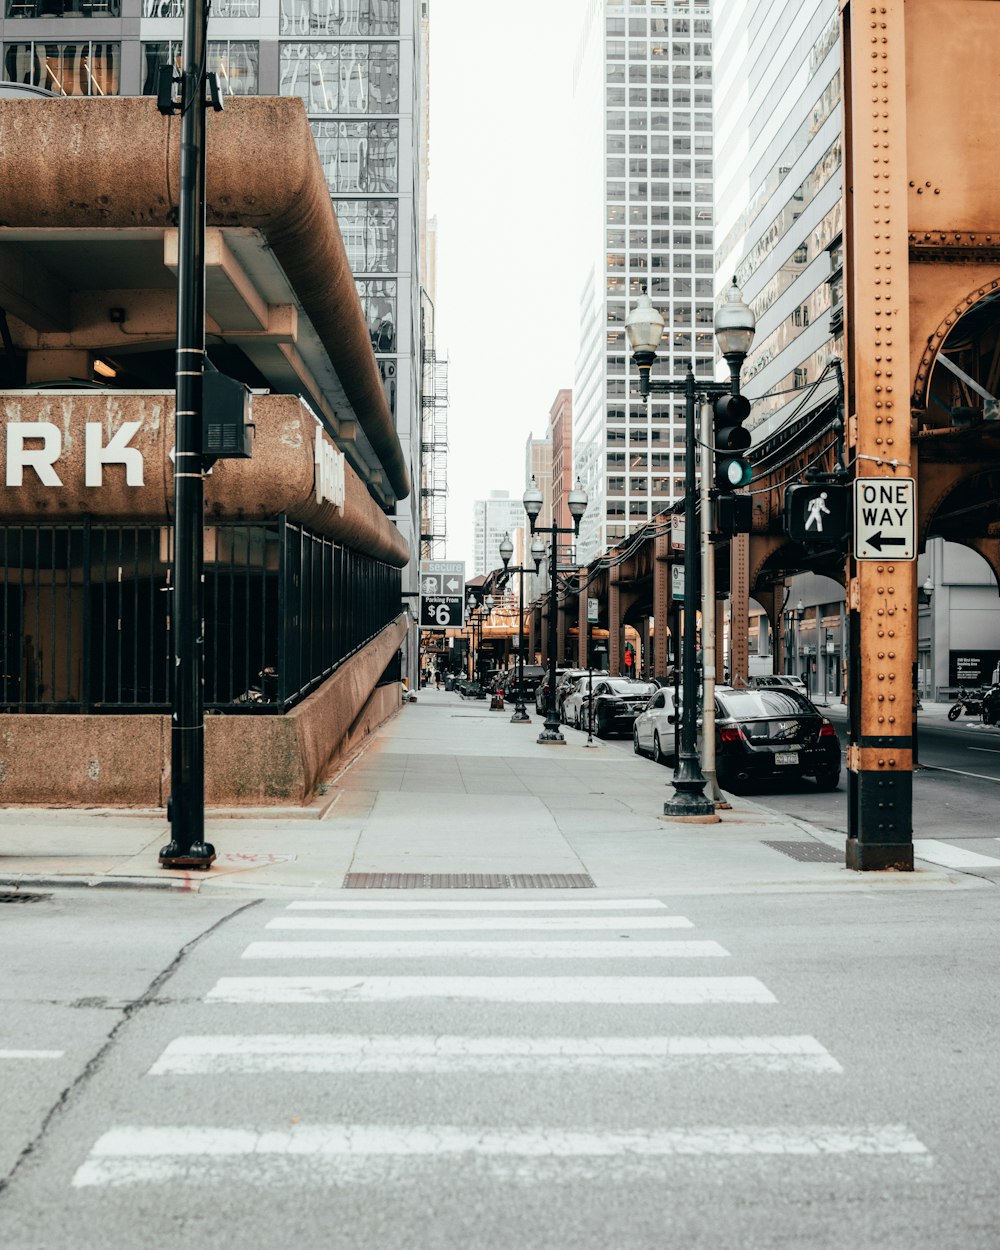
(656, 727)
(773, 734)
(569, 681)
(615, 704)
(542, 689)
(779, 681)
(533, 674)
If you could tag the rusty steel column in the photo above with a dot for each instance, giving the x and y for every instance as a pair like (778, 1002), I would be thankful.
(562, 613)
(614, 624)
(739, 614)
(582, 625)
(880, 592)
(661, 603)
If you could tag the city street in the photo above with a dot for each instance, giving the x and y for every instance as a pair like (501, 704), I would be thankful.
(751, 1051)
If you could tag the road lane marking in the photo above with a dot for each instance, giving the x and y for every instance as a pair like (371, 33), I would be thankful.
(960, 773)
(948, 856)
(589, 990)
(31, 1054)
(358, 1054)
(546, 948)
(138, 1155)
(425, 924)
(592, 904)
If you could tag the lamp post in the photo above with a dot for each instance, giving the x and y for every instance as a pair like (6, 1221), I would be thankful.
(576, 501)
(734, 330)
(520, 716)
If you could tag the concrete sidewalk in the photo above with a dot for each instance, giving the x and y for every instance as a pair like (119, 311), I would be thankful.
(450, 787)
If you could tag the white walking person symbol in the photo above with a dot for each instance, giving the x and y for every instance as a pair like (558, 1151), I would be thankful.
(815, 511)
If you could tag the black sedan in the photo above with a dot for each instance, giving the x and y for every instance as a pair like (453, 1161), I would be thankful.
(769, 735)
(616, 703)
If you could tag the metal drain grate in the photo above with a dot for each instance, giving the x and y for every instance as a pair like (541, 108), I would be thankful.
(809, 852)
(468, 881)
(15, 896)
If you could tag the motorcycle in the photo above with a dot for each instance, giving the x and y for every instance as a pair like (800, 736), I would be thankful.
(969, 701)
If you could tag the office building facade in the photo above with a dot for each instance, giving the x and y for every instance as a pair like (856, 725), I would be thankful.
(493, 517)
(643, 90)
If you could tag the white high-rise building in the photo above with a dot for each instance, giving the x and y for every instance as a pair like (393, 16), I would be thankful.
(643, 91)
(779, 198)
(493, 518)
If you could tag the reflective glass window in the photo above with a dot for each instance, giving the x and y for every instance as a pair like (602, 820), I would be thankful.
(234, 61)
(341, 77)
(379, 300)
(75, 68)
(359, 156)
(370, 231)
(344, 19)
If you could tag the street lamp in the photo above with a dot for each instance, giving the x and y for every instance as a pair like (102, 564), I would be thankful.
(734, 331)
(520, 716)
(576, 501)
(478, 611)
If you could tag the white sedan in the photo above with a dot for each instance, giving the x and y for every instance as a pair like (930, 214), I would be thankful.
(654, 729)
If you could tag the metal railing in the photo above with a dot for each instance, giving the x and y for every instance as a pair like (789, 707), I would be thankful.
(85, 615)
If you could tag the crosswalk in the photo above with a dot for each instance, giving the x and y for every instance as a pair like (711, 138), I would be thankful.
(465, 967)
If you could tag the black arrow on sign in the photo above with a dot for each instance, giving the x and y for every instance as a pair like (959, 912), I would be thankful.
(878, 542)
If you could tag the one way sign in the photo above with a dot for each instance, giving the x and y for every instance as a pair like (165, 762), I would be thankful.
(885, 525)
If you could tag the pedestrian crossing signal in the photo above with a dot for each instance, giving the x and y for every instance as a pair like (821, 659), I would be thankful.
(817, 513)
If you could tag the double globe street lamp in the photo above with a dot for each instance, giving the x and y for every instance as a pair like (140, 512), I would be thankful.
(478, 612)
(576, 501)
(520, 716)
(734, 331)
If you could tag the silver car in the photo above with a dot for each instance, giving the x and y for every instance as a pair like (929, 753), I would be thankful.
(655, 728)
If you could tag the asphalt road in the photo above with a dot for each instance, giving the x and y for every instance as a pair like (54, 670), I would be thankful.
(818, 1072)
(956, 789)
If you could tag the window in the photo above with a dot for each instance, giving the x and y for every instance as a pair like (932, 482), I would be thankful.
(235, 63)
(341, 77)
(351, 20)
(220, 8)
(378, 300)
(72, 69)
(359, 156)
(370, 230)
(63, 8)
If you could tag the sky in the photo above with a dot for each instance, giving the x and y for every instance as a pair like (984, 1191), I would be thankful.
(501, 189)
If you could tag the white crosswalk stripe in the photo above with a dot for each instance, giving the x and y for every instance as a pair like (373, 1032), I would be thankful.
(427, 924)
(129, 1155)
(512, 949)
(618, 990)
(322, 1052)
(396, 932)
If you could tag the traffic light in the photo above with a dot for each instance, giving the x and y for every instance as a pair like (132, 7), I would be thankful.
(733, 514)
(732, 439)
(817, 513)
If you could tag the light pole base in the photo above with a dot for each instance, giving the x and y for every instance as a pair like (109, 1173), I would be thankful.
(551, 737)
(520, 717)
(197, 855)
(684, 805)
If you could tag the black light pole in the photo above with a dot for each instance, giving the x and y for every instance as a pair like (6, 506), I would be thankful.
(187, 847)
(520, 716)
(734, 330)
(576, 501)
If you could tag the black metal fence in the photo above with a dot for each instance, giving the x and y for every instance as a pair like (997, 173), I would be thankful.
(85, 615)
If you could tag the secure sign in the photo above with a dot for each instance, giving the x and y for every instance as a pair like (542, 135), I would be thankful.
(442, 594)
(885, 518)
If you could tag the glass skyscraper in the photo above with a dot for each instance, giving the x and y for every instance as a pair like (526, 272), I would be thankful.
(643, 89)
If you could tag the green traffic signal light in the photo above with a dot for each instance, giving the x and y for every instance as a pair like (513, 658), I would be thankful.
(731, 435)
